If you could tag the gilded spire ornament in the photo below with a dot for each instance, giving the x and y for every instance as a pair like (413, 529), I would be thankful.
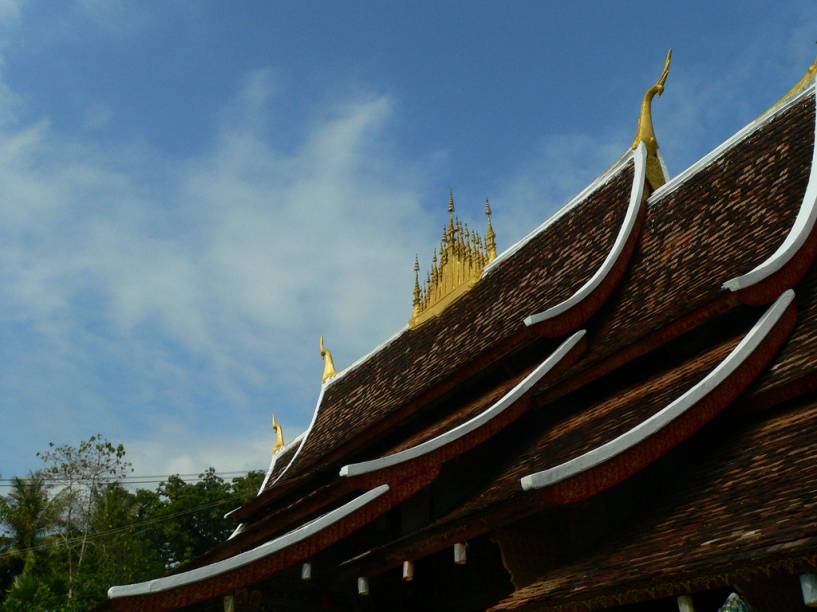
(656, 173)
(463, 255)
(489, 234)
(279, 436)
(328, 363)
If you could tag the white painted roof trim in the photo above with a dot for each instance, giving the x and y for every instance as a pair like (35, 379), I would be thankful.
(636, 194)
(267, 548)
(355, 469)
(730, 142)
(799, 232)
(573, 203)
(665, 416)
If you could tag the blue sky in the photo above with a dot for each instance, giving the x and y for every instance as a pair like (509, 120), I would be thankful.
(191, 193)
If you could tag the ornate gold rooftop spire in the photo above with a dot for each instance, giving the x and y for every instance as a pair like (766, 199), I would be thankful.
(328, 363)
(463, 255)
(489, 234)
(801, 85)
(279, 436)
(646, 133)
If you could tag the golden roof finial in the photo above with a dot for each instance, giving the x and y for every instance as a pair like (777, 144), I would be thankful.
(328, 363)
(462, 258)
(646, 133)
(801, 85)
(279, 436)
(490, 235)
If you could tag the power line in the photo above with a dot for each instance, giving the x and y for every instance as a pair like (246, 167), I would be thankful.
(101, 534)
(133, 479)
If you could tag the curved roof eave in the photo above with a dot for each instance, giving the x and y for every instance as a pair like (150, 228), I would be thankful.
(624, 234)
(264, 550)
(472, 424)
(661, 419)
(800, 231)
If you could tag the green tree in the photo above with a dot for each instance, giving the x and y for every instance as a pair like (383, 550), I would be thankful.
(81, 472)
(28, 514)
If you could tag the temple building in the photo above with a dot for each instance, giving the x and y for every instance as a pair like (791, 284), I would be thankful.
(617, 412)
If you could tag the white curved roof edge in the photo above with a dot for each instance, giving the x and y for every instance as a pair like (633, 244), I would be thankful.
(799, 232)
(267, 548)
(636, 194)
(355, 469)
(304, 437)
(666, 415)
(575, 201)
(296, 440)
(730, 142)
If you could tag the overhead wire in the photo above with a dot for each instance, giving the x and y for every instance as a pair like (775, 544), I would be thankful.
(136, 479)
(122, 528)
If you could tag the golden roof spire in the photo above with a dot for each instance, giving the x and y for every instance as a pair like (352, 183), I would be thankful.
(490, 235)
(279, 436)
(646, 133)
(328, 363)
(463, 256)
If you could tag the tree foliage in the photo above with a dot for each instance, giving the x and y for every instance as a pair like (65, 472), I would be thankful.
(74, 529)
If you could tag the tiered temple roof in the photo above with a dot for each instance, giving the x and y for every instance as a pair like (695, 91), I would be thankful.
(656, 340)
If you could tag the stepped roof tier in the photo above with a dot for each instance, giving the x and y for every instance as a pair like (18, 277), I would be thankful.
(617, 410)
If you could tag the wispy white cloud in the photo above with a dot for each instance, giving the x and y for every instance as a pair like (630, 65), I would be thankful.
(205, 283)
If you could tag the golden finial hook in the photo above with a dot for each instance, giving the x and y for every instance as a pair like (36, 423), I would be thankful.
(656, 172)
(646, 133)
(279, 436)
(328, 363)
